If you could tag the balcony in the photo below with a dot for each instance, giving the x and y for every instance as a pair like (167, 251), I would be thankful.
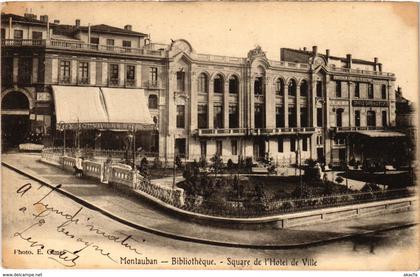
(221, 132)
(281, 131)
(81, 46)
(354, 129)
(152, 84)
(361, 71)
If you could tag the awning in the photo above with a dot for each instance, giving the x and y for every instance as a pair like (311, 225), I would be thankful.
(96, 108)
(381, 134)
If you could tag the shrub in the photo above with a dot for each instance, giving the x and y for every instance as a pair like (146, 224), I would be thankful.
(178, 162)
(157, 163)
(230, 164)
(203, 162)
(248, 163)
(217, 164)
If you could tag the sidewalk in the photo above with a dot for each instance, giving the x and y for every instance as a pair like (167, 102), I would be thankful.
(136, 211)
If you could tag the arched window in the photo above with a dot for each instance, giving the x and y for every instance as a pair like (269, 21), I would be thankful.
(304, 88)
(218, 84)
(292, 88)
(233, 85)
(153, 101)
(203, 83)
(280, 87)
(383, 91)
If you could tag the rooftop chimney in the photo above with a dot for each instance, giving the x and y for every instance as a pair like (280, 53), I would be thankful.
(128, 27)
(349, 60)
(30, 15)
(327, 53)
(77, 23)
(56, 21)
(315, 50)
(44, 18)
(380, 67)
(304, 48)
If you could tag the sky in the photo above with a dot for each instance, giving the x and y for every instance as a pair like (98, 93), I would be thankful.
(388, 31)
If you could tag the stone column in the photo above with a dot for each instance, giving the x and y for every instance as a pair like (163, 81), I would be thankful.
(210, 105)
(92, 73)
(193, 102)
(298, 123)
(286, 106)
(15, 69)
(104, 73)
(121, 73)
(270, 105)
(226, 105)
(74, 71)
(313, 101)
(350, 98)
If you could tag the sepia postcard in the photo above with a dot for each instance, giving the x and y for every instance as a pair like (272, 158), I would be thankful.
(210, 135)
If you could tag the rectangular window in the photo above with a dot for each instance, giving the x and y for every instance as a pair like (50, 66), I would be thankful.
(203, 148)
(384, 119)
(304, 117)
(233, 116)
(356, 90)
(18, 34)
(180, 116)
(110, 44)
(180, 80)
(218, 116)
(371, 118)
(338, 89)
(259, 116)
(65, 72)
(202, 116)
(280, 145)
(292, 116)
(130, 75)
(357, 118)
(370, 91)
(94, 40)
(3, 33)
(319, 117)
(319, 89)
(83, 76)
(234, 145)
(114, 72)
(25, 70)
(279, 117)
(153, 76)
(7, 70)
(305, 144)
(383, 92)
(219, 148)
(126, 43)
(292, 144)
(36, 35)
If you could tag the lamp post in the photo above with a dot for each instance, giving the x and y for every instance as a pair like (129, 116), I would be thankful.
(61, 124)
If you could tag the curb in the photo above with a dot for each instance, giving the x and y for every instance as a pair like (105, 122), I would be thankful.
(154, 231)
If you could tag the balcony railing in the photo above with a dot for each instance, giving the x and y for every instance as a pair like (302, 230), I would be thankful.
(352, 129)
(80, 45)
(221, 132)
(361, 71)
(152, 84)
(283, 130)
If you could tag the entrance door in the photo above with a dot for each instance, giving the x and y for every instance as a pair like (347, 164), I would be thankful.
(259, 149)
(180, 147)
(15, 122)
(320, 154)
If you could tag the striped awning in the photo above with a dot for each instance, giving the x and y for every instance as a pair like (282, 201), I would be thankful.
(101, 108)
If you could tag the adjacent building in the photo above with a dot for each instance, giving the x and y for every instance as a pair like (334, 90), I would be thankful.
(306, 105)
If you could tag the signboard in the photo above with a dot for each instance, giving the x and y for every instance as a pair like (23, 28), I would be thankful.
(350, 78)
(369, 103)
(43, 96)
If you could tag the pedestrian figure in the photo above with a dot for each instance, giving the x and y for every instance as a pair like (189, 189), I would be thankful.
(325, 177)
(78, 167)
(107, 170)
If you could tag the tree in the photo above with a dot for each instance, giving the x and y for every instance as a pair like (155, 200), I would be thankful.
(217, 164)
(178, 162)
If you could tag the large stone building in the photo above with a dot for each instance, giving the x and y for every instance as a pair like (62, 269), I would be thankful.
(306, 105)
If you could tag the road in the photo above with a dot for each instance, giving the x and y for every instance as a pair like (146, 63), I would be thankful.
(64, 225)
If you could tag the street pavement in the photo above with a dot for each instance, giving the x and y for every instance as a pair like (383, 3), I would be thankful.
(143, 213)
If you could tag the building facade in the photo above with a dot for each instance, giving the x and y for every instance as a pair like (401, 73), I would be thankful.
(307, 105)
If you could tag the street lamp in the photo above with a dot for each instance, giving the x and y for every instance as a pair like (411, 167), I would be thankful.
(61, 124)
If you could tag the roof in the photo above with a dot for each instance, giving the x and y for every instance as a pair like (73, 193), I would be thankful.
(71, 30)
(18, 18)
(381, 134)
(343, 59)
